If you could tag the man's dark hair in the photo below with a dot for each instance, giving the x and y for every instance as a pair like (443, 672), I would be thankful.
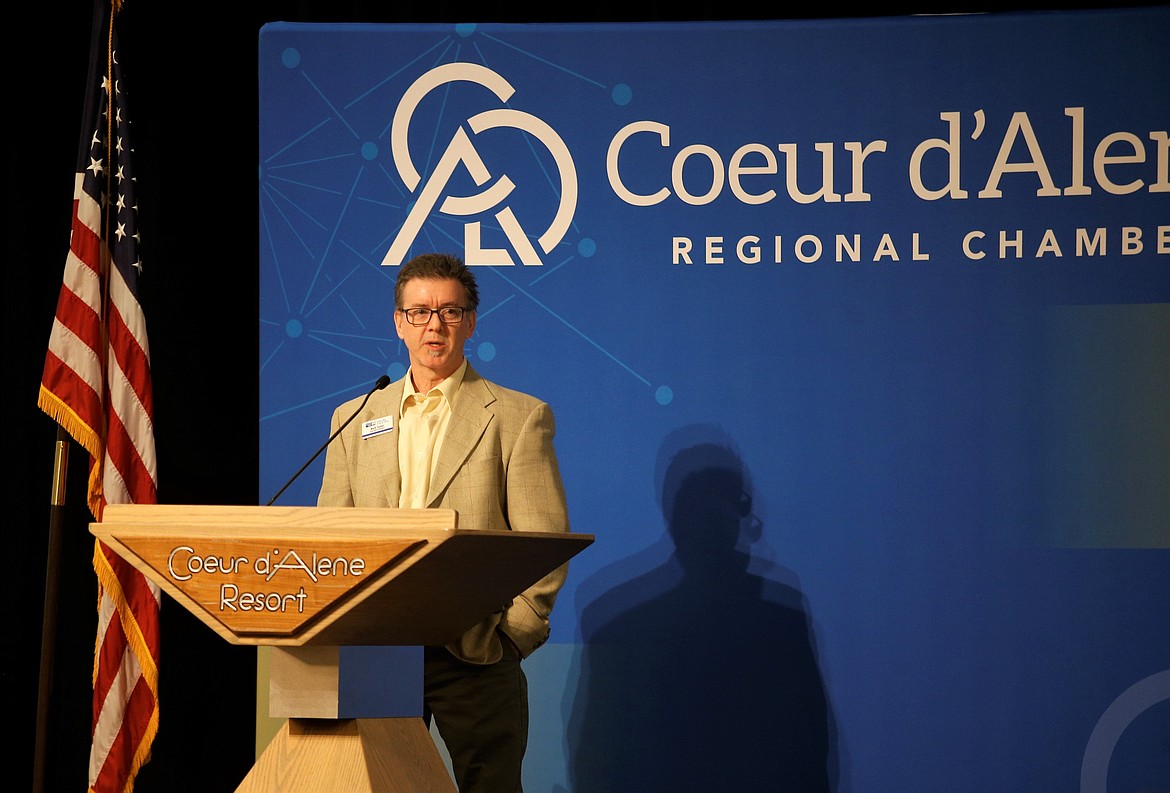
(437, 265)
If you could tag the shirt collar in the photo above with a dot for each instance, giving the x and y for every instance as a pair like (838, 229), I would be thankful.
(447, 389)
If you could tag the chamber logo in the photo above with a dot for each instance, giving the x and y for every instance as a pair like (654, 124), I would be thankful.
(435, 194)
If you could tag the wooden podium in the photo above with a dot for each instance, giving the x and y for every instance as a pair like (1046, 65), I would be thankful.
(322, 585)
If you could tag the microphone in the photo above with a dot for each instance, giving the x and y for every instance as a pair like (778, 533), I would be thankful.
(383, 381)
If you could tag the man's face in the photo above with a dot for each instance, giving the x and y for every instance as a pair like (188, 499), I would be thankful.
(436, 348)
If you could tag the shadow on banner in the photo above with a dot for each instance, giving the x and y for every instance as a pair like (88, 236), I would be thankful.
(699, 671)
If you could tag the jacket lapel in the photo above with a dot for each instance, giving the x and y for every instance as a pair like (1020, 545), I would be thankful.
(389, 403)
(469, 419)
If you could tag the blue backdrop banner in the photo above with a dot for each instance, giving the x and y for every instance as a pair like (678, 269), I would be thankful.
(857, 333)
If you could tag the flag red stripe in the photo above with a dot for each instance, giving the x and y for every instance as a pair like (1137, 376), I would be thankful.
(85, 241)
(136, 481)
(141, 600)
(138, 708)
(111, 645)
(111, 745)
(133, 361)
(74, 394)
(79, 318)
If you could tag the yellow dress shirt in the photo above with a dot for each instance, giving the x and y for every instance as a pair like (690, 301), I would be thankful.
(423, 422)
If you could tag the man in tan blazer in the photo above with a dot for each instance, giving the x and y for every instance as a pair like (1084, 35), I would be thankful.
(443, 436)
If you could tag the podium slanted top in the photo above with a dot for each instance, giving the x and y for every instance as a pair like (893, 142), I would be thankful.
(292, 576)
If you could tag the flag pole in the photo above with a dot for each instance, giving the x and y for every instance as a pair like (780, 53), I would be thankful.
(49, 622)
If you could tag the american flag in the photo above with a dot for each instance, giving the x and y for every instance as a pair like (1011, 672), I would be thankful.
(97, 386)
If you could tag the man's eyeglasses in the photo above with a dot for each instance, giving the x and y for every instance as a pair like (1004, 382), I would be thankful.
(448, 315)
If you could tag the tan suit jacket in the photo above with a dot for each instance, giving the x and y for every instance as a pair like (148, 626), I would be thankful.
(497, 469)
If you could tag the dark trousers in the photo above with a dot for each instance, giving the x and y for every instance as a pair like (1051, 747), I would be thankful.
(482, 714)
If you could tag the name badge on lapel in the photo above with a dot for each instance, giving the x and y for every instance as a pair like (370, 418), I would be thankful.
(377, 427)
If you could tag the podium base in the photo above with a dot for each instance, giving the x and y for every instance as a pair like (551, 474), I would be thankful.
(350, 756)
